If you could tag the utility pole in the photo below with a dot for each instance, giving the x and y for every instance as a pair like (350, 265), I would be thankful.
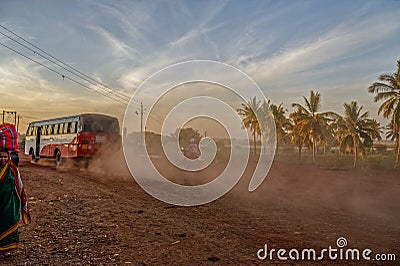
(141, 112)
(18, 122)
(141, 124)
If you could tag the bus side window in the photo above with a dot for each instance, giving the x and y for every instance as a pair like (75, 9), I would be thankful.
(50, 129)
(73, 127)
(29, 131)
(65, 128)
(44, 130)
(61, 129)
(56, 129)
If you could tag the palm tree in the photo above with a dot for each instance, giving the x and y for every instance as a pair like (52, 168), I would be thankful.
(355, 130)
(282, 123)
(387, 89)
(248, 112)
(393, 134)
(310, 123)
(295, 136)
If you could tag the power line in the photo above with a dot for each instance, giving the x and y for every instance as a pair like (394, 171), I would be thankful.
(122, 101)
(62, 75)
(105, 90)
(30, 117)
(62, 65)
(60, 61)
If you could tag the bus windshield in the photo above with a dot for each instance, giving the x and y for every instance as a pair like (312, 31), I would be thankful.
(100, 124)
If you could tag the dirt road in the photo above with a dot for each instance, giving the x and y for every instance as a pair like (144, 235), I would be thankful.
(83, 217)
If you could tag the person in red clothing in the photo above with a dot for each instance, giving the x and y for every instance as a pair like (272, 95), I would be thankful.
(192, 151)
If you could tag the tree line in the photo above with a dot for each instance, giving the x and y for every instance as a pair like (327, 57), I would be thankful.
(308, 126)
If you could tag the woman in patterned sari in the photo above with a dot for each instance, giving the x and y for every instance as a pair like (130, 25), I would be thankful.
(13, 204)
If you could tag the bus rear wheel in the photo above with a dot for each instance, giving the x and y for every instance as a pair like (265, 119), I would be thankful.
(33, 156)
(58, 158)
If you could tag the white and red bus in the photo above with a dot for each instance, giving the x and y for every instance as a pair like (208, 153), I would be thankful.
(77, 136)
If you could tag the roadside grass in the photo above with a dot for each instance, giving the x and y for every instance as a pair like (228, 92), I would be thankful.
(340, 161)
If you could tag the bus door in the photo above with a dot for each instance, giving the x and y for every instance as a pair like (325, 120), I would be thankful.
(37, 146)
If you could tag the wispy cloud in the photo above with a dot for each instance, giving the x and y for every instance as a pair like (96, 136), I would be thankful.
(119, 47)
(344, 41)
(201, 28)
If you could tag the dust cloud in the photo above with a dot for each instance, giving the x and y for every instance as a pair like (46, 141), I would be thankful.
(110, 163)
(355, 203)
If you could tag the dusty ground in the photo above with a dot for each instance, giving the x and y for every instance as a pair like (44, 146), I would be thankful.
(103, 217)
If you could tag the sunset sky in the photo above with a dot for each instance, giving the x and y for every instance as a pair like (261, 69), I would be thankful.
(288, 47)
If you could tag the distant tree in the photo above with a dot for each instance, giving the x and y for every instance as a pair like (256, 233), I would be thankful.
(310, 123)
(387, 89)
(295, 136)
(249, 118)
(21, 141)
(282, 123)
(355, 130)
(393, 133)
